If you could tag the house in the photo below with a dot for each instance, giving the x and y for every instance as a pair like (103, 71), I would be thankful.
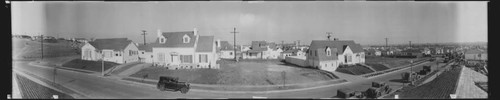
(436, 51)
(146, 52)
(184, 50)
(294, 52)
(413, 53)
(387, 52)
(262, 50)
(81, 40)
(476, 54)
(118, 50)
(373, 52)
(328, 54)
(226, 50)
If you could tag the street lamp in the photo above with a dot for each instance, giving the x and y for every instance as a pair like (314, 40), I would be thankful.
(102, 62)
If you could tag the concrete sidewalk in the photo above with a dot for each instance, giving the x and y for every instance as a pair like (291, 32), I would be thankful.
(121, 68)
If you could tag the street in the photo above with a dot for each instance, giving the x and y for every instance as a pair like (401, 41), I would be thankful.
(95, 86)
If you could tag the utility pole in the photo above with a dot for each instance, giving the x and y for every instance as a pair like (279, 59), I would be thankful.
(102, 62)
(329, 34)
(234, 42)
(41, 44)
(144, 35)
(410, 44)
(386, 43)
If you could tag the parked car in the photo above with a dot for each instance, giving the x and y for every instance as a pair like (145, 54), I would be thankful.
(172, 84)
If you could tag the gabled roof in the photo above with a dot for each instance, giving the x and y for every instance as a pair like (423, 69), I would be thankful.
(225, 46)
(116, 44)
(339, 44)
(323, 57)
(174, 39)
(148, 47)
(205, 44)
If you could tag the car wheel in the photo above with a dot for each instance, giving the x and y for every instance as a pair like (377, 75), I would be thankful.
(184, 90)
(161, 87)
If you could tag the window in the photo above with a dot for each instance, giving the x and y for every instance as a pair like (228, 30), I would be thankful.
(116, 54)
(231, 53)
(185, 39)
(108, 54)
(142, 52)
(162, 40)
(88, 53)
(328, 52)
(161, 57)
(316, 53)
(186, 58)
(203, 58)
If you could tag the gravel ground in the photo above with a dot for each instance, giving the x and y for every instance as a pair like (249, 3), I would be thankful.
(32, 90)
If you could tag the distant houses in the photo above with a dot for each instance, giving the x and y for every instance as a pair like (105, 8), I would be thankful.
(373, 52)
(262, 50)
(118, 50)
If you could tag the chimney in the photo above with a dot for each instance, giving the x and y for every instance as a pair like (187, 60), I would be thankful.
(195, 31)
(218, 43)
(159, 33)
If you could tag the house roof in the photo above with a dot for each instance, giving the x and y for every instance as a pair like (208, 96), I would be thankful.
(339, 44)
(322, 54)
(225, 45)
(467, 88)
(148, 47)
(205, 44)
(174, 39)
(116, 44)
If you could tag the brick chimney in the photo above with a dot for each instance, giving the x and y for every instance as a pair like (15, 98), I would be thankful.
(195, 31)
(218, 43)
(158, 33)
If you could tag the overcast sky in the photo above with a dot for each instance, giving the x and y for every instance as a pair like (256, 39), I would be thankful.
(364, 22)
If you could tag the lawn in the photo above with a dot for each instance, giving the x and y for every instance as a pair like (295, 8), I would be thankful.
(245, 72)
(378, 67)
(390, 62)
(355, 69)
(89, 65)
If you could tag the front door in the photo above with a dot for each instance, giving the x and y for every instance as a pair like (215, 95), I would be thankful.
(175, 59)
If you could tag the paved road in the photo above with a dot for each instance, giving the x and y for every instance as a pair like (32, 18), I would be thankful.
(94, 86)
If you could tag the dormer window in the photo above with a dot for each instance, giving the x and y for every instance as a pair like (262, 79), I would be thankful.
(162, 40)
(185, 39)
(328, 51)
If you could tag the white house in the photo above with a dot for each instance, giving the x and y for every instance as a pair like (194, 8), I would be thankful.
(146, 53)
(118, 50)
(226, 50)
(475, 54)
(329, 54)
(262, 50)
(184, 50)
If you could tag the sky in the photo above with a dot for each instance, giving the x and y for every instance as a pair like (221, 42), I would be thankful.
(367, 23)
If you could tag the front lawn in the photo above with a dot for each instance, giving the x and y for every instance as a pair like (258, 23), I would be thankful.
(89, 65)
(355, 70)
(245, 72)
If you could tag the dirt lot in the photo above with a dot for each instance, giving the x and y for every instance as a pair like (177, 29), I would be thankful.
(245, 72)
(23, 49)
